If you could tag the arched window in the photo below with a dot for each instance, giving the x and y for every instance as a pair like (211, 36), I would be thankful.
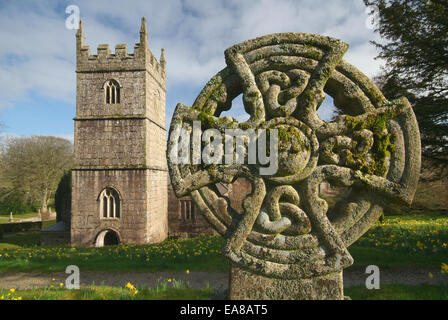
(110, 205)
(112, 92)
(187, 210)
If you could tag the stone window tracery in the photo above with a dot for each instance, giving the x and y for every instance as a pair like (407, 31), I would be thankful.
(187, 210)
(112, 92)
(110, 204)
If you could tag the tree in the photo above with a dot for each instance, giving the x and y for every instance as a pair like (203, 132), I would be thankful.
(31, 168)
(414, 47)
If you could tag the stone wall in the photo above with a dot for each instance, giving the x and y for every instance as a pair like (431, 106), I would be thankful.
(184, 218)
(155, 147)
(155, 99)
(237, 191)
(10, 227)
(157, 199)
(106, 143)
(87, 221)
(90, 88)
(54, 238)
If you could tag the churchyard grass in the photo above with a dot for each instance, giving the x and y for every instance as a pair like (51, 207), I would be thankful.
(387, 292)
(414, 240)
(129, 292)
(399, 292)
(196, 254)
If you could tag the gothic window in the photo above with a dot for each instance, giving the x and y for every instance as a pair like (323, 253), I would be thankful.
(112, 92)
(110, 203)
(187, 210)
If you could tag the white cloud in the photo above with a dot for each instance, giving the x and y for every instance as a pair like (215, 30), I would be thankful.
(362, 58)
(44, 53)
(194, 34)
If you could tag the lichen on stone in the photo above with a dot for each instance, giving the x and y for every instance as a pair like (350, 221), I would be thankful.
(281, 238)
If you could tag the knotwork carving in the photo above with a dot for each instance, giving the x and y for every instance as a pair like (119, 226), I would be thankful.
(286, 230)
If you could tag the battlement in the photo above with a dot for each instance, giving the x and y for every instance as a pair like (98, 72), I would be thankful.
(141, 59)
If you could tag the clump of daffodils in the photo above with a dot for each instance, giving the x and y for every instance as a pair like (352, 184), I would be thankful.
(11, 295)
(444, 268)
(131, 288)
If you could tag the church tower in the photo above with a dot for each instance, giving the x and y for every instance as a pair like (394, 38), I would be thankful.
(119, 183)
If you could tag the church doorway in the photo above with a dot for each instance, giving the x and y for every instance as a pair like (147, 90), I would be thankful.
(107, 238)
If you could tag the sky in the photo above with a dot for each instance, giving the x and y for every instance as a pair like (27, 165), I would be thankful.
(37, 51)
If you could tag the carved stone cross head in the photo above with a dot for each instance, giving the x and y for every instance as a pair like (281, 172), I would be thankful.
(286, 230)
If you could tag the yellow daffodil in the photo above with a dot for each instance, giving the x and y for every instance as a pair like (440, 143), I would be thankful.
(130, 286)
(444, 268)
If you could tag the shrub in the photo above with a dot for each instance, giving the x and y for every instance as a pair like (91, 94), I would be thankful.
(14, 205)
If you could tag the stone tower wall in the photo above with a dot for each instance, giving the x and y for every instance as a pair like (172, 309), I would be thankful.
(104, 143)
(120, 146)
(86, 216)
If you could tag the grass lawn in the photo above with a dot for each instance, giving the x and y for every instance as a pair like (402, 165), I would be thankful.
(399, 292)
(161, 292)
(196, 254)
(415, 240)
(387, 292)
(17, 216)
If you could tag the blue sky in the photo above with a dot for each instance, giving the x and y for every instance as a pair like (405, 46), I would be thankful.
(37, 55)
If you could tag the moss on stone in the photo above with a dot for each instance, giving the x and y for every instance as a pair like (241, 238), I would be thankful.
(382, 146)
(245, 125)
(213, 171)
(289, 138)
(212, 122)
(283, 110)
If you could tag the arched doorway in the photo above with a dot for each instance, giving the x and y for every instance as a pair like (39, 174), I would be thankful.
(107, 238)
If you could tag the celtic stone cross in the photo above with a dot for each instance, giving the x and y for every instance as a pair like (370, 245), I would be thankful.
(287, 244)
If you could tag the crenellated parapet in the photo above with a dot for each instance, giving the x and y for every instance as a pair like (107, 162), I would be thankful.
(121, 60)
